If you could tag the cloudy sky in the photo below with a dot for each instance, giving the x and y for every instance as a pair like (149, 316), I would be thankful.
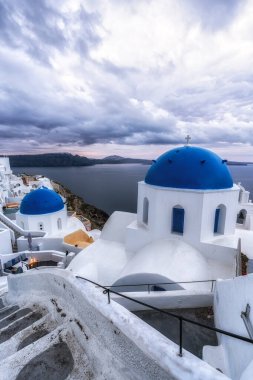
(127, 77)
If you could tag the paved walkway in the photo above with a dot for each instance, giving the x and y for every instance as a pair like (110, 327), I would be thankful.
(194, 337)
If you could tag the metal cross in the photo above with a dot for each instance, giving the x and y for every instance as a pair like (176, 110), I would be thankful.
(187, 138)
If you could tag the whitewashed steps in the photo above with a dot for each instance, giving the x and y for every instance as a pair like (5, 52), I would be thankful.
(35, 345)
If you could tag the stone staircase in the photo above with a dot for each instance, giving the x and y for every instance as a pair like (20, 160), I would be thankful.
(54, 326)
(36, 343)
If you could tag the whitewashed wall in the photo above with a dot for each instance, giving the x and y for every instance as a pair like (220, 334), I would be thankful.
(231, 298)
(32, 222)
(5, 242)
(199, 206)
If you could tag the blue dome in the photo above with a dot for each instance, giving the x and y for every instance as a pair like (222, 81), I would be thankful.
(190, 167)
(41, 201)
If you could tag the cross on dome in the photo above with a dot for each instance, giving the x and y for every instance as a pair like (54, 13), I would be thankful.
(187, 138)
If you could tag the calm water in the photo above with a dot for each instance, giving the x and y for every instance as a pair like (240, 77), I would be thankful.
(114, 187)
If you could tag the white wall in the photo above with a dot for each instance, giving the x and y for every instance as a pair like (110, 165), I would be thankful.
(176, 299)
(199, 206)
(5, 242)
(115, 227)
(44, 243)
(5, 162)
(56, 256)
(223, 254)
(211, 200)
(231, 298)
(32, 222)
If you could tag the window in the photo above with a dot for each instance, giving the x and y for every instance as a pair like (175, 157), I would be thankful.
(145, 210)
(241, 216)
(41, 227)
(177, 220)
(219, 220)
(216, 220)
(240, 196)
(59, 224)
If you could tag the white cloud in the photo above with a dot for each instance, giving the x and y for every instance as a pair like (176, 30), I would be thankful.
(125, 72)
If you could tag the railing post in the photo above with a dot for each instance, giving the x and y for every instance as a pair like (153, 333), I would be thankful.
(148, 288)
(107, 291)
(212, 286)
(180, 337)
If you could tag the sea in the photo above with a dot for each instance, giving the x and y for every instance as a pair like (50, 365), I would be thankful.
(114, 187)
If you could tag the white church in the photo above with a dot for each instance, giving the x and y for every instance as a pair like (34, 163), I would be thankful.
(42, 232)
(186, 227)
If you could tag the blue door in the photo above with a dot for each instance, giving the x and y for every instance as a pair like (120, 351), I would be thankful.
(178, 220)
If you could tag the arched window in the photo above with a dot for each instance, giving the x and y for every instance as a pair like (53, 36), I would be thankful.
(145, 210)
(219, 220)
(241, 216)
(41, 226)
(59, 223)
(240, 196)
(177, 225)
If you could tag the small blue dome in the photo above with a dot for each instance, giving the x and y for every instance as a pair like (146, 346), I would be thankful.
(190, 167)
(41, 201)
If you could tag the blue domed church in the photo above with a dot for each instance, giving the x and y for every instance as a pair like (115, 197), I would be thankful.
(188, 194)
(42, 210)
(184, 228)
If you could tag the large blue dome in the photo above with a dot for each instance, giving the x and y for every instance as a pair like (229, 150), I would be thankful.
(41, 201)
(190, 167)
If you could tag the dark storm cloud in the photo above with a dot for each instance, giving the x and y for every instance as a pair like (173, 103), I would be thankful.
(69, 77)
(38, 27)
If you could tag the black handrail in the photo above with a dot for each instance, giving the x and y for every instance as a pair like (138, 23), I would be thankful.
(179, 317)
(161, 283)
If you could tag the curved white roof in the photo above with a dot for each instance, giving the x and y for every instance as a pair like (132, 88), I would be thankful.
(169, 258)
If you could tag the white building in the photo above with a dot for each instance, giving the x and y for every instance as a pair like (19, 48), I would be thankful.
(13, 188)
(45, 230)
(42, 210)
(185, 228)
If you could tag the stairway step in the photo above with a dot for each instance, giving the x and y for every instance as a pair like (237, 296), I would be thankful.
(14, 317)
(19, 325)
(54, 363)
(33, 338)
(11, 346)
(1, 303)
(7, 311)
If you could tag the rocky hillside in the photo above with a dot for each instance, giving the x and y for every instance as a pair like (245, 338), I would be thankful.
(96, 216)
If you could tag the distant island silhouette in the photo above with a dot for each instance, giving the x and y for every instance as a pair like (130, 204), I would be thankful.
(68, 159)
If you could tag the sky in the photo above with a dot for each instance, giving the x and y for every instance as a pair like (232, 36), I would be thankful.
(126, 77)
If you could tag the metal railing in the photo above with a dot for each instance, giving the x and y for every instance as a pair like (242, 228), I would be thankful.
(151, 286)
(181, 319)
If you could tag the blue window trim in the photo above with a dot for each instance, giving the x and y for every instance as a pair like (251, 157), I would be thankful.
(178, 220)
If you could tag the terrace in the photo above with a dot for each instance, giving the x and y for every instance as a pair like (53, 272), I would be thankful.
(23, 261)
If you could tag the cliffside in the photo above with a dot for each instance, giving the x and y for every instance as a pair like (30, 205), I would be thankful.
(96, 216)
(76, 204)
